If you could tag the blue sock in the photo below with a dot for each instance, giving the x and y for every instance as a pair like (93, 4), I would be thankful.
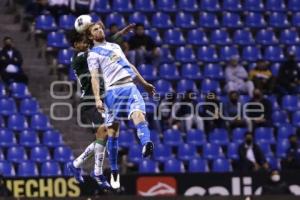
(143, 132)
(112, 149)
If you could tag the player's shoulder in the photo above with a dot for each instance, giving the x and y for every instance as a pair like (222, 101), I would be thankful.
(113, 45)
(92, 53)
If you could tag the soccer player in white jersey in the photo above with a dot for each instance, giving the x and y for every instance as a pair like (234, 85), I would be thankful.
(122, 96)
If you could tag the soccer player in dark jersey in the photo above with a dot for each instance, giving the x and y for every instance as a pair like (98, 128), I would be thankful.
(88, 111)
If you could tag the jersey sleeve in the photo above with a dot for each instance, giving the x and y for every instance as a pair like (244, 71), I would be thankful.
(93, 61)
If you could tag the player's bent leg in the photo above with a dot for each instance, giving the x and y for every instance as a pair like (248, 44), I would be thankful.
(143, 132)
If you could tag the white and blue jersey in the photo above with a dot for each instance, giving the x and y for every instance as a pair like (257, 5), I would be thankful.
(120, 100)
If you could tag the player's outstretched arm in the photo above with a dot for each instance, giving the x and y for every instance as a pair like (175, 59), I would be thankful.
(96, 89)
(123, 32)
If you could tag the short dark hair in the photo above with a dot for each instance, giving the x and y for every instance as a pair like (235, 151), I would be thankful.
(7, 38)
(74, 37)
(139, 24)
(113, 24)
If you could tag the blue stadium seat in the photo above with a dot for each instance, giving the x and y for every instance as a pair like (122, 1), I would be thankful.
(185, 85)
(7, 138)
(207, 54)
(172, 137)
(228, 52)
(138, 17)
(64, 56)
(7, 168)
(154, 136)
(197, 165)
(296, 118)
(115, 18)
(161, 20)
(273, 100)
(278, 20)
(243, 37)
(17, 122)
(29, 138)
(1, 156)
(195, 137)
(39, 154)
(186, 152)
(27, 169)
(232, 5)
(285, 131)
(213, 71)
(173, 166)
(162, 87)
(153, 33)
(221, 165)
(218, 136)
(147, 166)
(45, 23)
(290, 102)
(174, 37)
(7, 106)
(191, 71)
(266, 37)
(212, 151)
(168, 71)
(185, 54)
(296, 19)
(16, 154)
(188, 5)
(280, 118)
(274, 53)
(2, 122)
(293, 5)
(281, 148)
(289, 37)
(135, 153)
(274, 162)
(251, 53)
(264, 135)
(197, 37)
(266, 149)
(122, 6)
(166, 56)
(162, 152)
(275, 5)
(40, 122)
(50, 168)
(63, 154)
(19, 90)
(2, 90)
(57, 40)
(238, 135)
(126, 138)
(208, 85)
(144, 6)
(220, 37)
(166, 5)
(253, 5)
(185, 20)
(148, 72)
(52, 138)
(208, 20)
(232, 151)
(210, 5)
(102, 6)
(29, 106)
(296, 50)
(231, 20)
(95, 17)
(275, 67)
(255, 20)
(66, 22)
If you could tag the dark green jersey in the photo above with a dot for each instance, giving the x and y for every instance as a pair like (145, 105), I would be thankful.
(80, 67)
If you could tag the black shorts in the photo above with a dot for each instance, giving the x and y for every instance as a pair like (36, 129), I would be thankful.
(90, 118)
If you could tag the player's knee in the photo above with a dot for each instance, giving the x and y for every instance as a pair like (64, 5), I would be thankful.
(138, 117)
(113, 130)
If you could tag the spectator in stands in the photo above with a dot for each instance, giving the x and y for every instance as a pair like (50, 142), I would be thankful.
(262, 77)
(4, 192)
(58, 8)
(275, 185)
(288, 78)
(258, 119)
(237, 78)
(233, 109)
(251, 157)
(142, 48)
(80, 7)
(293, 154)
(11, 63)
(186, 112)
(210, 113)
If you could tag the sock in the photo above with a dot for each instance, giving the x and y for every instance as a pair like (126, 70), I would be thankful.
(99, 156)
(88, 152)
(143, 132)
(112, 149)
